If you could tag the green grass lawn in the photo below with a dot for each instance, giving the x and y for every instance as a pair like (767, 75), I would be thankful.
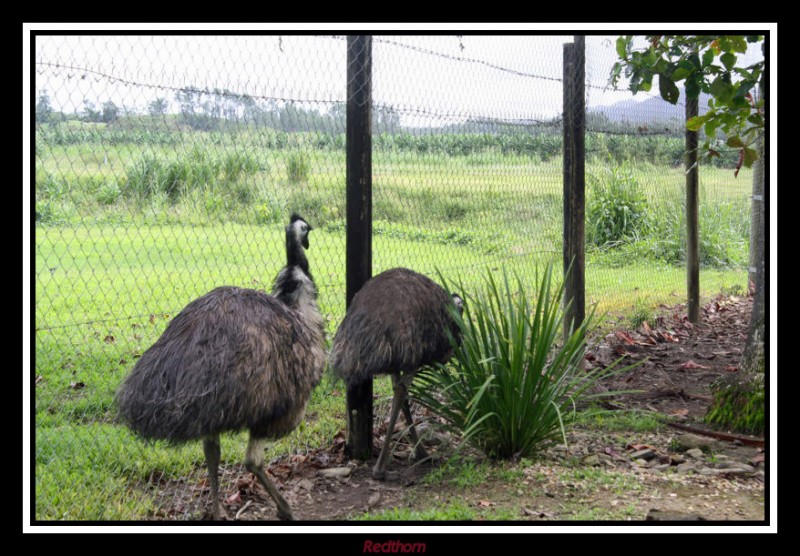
(112, 268)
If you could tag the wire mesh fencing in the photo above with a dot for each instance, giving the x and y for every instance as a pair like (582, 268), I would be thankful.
(166, 166)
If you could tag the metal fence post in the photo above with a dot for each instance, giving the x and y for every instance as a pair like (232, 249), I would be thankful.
(359, 221)
(574, 183)
(692, 217)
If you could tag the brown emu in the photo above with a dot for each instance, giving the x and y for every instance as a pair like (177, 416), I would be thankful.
(396, 324)
(234, 359)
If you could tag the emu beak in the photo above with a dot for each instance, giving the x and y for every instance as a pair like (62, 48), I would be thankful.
(305, 242)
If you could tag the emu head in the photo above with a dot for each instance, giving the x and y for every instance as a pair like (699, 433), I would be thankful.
(458, 302)
(298, 230)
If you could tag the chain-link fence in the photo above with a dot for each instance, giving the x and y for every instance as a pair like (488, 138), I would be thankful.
(168, 165)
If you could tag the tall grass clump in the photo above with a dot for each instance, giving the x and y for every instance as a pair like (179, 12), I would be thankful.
(724, 233)
(512, 386)
(297, 167)
(616, 211)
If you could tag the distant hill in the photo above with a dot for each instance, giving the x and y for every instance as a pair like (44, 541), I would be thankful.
(654, 110)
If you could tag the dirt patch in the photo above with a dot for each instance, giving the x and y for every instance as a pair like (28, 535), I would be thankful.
(624, 475)
(680, 361)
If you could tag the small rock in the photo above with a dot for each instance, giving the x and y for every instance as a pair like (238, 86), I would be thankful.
(591, 459)
(336, 472)
(685, 467)
(727, 465)
(708, 471)
(662, 467)
(640, 462)
(695, 453)
(743, 470)
(305, 484)
(374, 499)
(646, 454)
(685, 442)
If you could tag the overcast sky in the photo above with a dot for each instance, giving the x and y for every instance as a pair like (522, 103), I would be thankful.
(430, 79)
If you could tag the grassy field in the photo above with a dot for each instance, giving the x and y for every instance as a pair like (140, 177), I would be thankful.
(127, 235)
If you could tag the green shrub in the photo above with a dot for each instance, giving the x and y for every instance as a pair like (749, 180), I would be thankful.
(512, 389)
(297, 167)
(617, 209)
(107, 193)
(724, 233)
(236, 165)
(146, 177)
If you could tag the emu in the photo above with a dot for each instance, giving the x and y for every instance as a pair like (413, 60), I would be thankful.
(396, 324)
(234, 359)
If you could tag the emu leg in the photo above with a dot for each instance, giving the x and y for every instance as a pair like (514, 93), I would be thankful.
(419, 450)
(254, 463)
(212, 452)
(379, 471)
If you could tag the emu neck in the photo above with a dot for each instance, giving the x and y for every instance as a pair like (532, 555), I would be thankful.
(295, 254)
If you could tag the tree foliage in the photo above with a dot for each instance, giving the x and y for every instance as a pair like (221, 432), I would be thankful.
(707, 64)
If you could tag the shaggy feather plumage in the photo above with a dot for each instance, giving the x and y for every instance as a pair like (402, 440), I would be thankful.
(397, 321)
(234, 359)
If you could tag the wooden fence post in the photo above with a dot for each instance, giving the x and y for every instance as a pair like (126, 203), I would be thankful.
(692, 219)
(359, 222)
(574, 183)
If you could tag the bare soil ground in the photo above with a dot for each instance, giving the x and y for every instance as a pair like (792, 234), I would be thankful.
(601, 475)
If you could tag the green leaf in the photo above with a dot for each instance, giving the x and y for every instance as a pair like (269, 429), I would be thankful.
(711, 128)
(750, 156)
(694, 124)
(728, 59)
(738, 43)
(622, 50)
(756, 119)
(708, 57)
(681, 73)
(649, 59)
(692, 87)
(721, 89)
(735, 142)
(669, 91)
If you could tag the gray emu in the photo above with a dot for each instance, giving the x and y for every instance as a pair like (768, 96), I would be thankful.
(234, 359)
(396, 324)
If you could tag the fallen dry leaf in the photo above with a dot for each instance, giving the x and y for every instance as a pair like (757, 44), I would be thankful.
(679, 412)
(282, 471)
(76, 385)
(486, 503)
(38, 379)
(731, 368)
(692, 365)
(624, 337)
(638, 447)
(234, 498)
